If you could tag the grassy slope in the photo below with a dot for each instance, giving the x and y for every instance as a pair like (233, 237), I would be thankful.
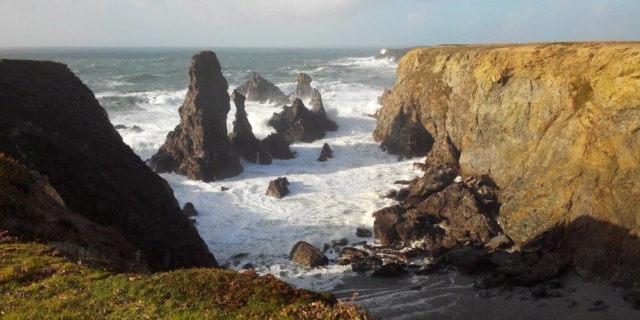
(38, 282)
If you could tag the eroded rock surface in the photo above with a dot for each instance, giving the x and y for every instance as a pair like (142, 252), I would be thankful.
(278, 188)
(307, 255)
(242, 138)
(297, 123)
(199, 147)
(259, 89)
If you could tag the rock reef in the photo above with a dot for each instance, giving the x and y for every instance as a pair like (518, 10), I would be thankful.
(52, 124)
(550, 131)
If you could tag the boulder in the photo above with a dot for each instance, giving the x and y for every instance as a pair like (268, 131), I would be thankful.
(278, 146)
(467, 260)
(189, 210)
(364, 264)
(325, 153)
(385, 223)
(242, 138)
(51, 123)
(390, 270)
(199, 147)
(260, 90)
(278, 188)
(297, 123)
(363, 233)
(307, 255)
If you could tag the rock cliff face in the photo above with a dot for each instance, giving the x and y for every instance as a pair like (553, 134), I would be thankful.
(199, 147)
(50, 122)
(555, 126)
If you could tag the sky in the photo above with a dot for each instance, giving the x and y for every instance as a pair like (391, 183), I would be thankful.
(311, 23)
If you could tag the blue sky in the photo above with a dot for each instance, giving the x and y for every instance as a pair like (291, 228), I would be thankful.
(311, 23)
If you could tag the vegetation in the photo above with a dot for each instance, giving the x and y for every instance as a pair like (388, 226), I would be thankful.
(36, 282)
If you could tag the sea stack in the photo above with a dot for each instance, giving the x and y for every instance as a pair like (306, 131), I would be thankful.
(259, 89)
(199, 147)
(242, 138)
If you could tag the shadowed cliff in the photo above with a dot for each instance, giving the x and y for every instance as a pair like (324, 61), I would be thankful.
(50, 122)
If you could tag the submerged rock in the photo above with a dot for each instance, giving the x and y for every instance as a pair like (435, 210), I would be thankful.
(307, 255)
(189, 210)
(199, 147)
(278, 188)
(325, 153)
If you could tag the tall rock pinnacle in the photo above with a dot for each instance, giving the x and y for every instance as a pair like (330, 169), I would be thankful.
(199, 147)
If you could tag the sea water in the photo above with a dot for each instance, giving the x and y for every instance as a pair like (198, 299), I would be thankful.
(241, 225)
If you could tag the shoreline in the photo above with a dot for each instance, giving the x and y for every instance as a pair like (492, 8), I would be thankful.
(449, 295)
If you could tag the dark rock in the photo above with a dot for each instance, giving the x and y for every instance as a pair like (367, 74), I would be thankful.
(297, 123)
(408, 140)
(390, 270)
(340, 242)
(317, 108)
(500, 242)
(391, 194)
(51, 123)
(539, 291)
(363, 233)
(242, 138)
(325, 153)
(549, 266)
(224, 188)
(410, 230)
(278, 188)
(402, 194)
(260, 90)
(248, 266)
(199, 147)
(136, 129)
(278, 146)
(120, 126)
(467, 260)
(189, 210)
(523, 280)
(303, 87)
(307, 255)
(365, 264)
(385, 223)
(347, 255)
(507, 263)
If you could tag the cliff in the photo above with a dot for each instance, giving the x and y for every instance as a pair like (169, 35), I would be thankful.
(51, 123)
(556, 127)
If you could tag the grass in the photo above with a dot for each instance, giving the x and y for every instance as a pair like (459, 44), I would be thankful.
(37, 283)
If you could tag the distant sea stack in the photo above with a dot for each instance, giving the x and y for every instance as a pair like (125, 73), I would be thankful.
(50, 122)
(554, 128)
(199, 147)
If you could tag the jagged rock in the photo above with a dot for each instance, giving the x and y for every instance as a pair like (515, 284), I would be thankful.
(390, 270)
(137, 129)
(242, 138)
(347, 255)
(632, 295)
(325, 153)
(52, 123)
(340, 242)
(363, 233)
(189, 210)
(385, 223)
(297, 123)
(278, 188)
(303, 87)
(427, 269)
(317, 108)
(278, 146)
(307, 255)
(199, 147)
(467, 260)
(407, 140)
(391, 194)
(260, 90)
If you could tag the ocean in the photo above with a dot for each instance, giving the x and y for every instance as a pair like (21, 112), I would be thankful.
(328, 200)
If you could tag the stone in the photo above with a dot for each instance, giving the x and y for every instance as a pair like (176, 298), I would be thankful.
(528, 116)
(303, 86)
(347, 255)
(363, 233)
(278, 146)
(427, 269)
(340, 242)
(136, 129)
(317, 108)
(307, 255)
(51, 123)
(278, 188)
(120, 126)
(325, 153)
(383, 97)
(242, 138)
(259, 89)
(297, 123)
(365, 264)
(467, 260)
(500, 242)
(391, 194)
(189, 210)
(385, 223)
(199, 147)
(390, 270)
(549, 266)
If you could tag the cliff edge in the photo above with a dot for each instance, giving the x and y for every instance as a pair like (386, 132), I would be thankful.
(556, 127)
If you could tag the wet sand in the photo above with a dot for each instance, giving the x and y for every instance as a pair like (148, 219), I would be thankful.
(448, 295)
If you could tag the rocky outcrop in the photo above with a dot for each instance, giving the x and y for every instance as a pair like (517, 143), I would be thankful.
(307, 255)
(278, 146)
(325, 154)
(278, 188)
(199, 147)
(259, 89)
(242, 138)
(303, 87)
(554, 126)
(189, 210)
(297, 123)
(51, 123)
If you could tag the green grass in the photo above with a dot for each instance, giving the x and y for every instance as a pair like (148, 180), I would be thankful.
(37, 283)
